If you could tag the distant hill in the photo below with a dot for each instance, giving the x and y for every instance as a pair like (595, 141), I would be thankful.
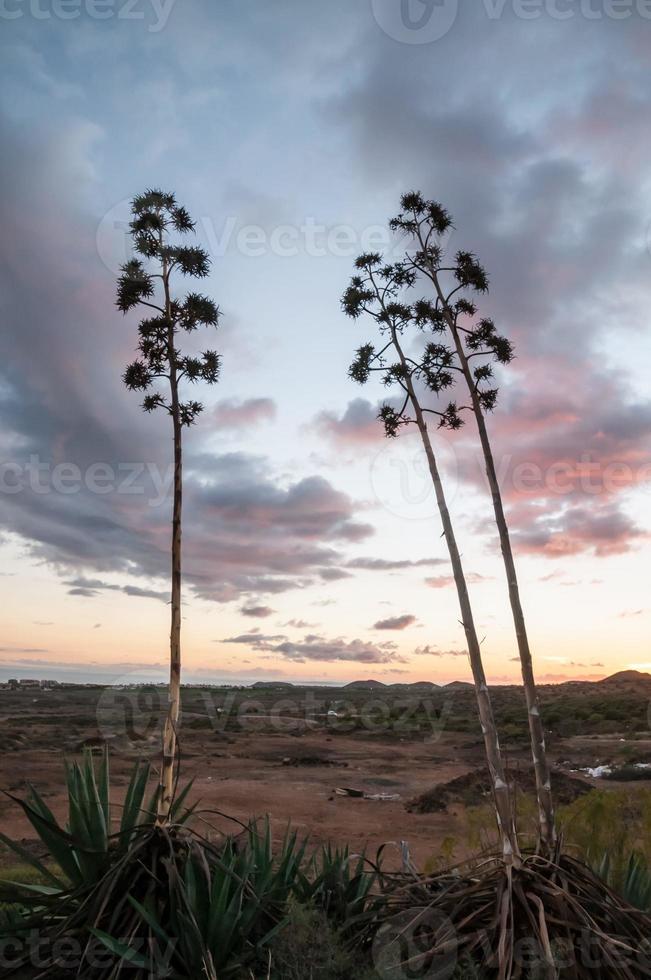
(458, 686)
(417, 687)
(272, 684)
(627, 677)
(363, 685)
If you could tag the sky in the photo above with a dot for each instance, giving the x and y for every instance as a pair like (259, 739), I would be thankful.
(312, 544)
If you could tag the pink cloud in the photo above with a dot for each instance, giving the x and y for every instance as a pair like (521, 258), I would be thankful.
(257, 612)
(395, 623)
(235, 414)
(447, 581)
(358, 426)
(567, 445)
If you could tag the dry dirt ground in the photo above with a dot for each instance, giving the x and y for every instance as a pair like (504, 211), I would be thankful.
(291, 777)
(247, 776)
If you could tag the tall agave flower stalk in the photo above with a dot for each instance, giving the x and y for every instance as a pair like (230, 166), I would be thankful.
(425, 222)
(376, 291)
(147, 281)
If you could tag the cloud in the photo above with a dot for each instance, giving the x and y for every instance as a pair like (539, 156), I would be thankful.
(603, 529)
(430, 651)
(247, 530)
(570, 443)
(23, 650)
(231, 413)
(390, 565)
(566, 678)
(447, 581)
(135, 590)
(440, 581)
(333, 574)
(395, 623)
(89, 588)
(257, 612)
(357, 427)
(339, 650)
(319, 648)
(258, 641)
(563, 238)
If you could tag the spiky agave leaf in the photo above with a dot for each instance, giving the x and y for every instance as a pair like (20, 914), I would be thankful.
(360, 369)
(134, 285)
(192, 260)
(198, 310)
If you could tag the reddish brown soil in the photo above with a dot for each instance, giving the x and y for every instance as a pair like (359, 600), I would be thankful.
(246, 776)
(290, 777)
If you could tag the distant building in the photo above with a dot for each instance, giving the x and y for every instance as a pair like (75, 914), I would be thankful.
(29, 683)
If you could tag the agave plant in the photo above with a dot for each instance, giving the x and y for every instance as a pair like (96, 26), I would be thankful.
(83, 848)
(343, 885)
(632, 880)
(225, 906)
(136, 896)
(91, 857)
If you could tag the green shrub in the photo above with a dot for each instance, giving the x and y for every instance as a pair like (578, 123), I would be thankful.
(310, 947)
(614, 822)
(631, 879)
